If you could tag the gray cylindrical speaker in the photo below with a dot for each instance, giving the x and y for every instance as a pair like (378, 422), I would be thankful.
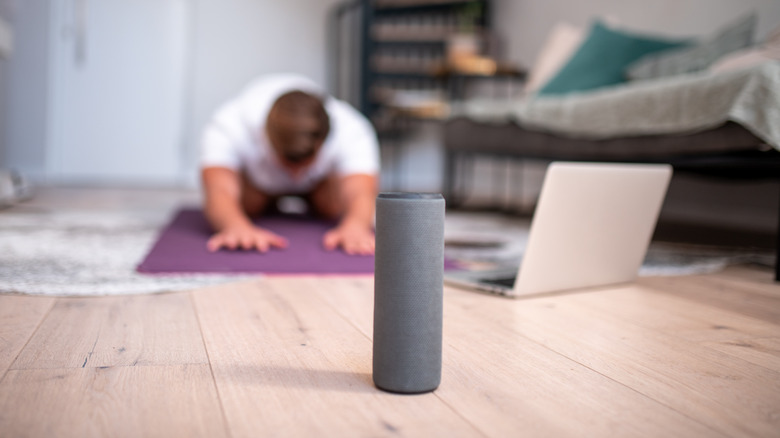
(409, 265)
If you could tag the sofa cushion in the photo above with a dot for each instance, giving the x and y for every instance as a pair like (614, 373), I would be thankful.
(735, 36)
(561, 43)
(602, 58)
(769, 50)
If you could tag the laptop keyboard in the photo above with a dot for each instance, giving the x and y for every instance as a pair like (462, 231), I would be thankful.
(506, 281)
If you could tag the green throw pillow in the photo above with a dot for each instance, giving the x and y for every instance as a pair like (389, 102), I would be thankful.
(602, 58)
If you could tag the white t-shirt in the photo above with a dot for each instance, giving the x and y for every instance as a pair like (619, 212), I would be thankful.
(236, 138)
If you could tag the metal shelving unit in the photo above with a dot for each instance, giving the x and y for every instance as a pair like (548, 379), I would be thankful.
(398, 69)
(404, 52)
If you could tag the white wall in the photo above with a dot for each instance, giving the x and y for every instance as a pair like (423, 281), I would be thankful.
(116, 91)
(26, 97)
(233, 41)
(524, 24)
(3, 110)
(6, 16)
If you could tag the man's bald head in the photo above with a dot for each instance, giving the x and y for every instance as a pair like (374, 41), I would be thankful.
(297, 126)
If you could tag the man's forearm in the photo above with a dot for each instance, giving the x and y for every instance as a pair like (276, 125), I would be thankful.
(360, 196)
(222, 193)
(223, 211)
(360, 210)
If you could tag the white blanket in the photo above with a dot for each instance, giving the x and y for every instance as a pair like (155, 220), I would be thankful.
(677, 104)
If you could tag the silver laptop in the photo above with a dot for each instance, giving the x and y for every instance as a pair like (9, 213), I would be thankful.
(592, 226)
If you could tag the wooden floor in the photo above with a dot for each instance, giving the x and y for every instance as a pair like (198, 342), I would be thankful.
(291, 356)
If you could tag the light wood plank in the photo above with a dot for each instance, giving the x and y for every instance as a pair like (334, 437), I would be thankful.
(508, 385)
(286, 364)
(763, 352)
(19, 317)
(745, 337)
(755, 281)
(165, 401)
(729, 394)
(677, 315)
(110, 331)
(751, 275)
(751, 298)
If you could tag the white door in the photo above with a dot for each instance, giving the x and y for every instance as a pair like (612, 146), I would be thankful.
(117, 90)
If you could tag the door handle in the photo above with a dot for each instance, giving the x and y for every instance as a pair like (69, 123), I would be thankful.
(80, 32)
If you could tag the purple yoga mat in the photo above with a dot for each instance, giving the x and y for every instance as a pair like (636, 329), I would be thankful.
(181, 248)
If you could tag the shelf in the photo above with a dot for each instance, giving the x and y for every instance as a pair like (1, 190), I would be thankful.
(502, 71)
(407, 45)
(430, 75)
(411, 6)
(405, 41)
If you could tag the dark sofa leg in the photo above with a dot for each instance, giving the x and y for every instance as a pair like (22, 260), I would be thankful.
(448, 182)
(777, 243)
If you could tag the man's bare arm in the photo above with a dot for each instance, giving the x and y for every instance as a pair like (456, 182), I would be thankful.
(360, 193)
(355, 231)
(223, 209)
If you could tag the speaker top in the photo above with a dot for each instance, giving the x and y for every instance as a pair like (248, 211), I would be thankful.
(405, 195)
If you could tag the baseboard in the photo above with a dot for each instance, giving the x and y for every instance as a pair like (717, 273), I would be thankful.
(687, 232)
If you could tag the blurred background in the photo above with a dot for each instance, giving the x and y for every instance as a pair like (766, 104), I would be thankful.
(116, 92)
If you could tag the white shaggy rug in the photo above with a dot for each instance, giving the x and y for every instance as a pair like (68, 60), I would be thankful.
(483, 241)
(84, 253)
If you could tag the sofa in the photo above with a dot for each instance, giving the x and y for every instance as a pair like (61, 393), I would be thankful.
(709, 106)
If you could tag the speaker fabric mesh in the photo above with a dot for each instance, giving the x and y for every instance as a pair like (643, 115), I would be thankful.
(408, 287)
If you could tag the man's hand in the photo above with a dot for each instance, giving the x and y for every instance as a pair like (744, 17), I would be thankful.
(355, 239)
(245, 237)
(225, 212)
